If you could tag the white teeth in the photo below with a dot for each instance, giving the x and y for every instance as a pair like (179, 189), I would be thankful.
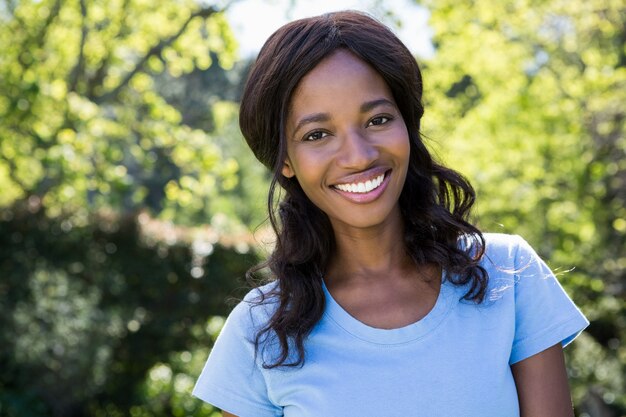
(362, 187)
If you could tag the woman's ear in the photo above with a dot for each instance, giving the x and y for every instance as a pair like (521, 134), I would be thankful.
(287, 171)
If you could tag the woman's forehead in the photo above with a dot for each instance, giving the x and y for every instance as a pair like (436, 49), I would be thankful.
(341, 78)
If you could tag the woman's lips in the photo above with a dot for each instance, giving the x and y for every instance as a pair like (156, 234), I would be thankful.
(364, 191)
(362, 187)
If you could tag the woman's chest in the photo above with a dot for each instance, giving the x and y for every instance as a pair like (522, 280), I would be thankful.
(458, 369)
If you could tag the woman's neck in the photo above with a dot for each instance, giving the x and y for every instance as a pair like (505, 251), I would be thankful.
(371, 252)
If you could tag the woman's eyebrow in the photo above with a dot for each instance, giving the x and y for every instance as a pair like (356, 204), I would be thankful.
(369, 105)
(312, 118)
(324, 117)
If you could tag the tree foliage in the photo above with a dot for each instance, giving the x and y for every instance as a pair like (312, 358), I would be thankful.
(84, 124)
(106, 288)
(527, 98)
(91, 318)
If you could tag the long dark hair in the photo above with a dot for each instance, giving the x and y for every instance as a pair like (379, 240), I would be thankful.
(435, 202)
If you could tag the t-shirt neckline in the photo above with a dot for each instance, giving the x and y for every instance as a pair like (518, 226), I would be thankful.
(405, 334)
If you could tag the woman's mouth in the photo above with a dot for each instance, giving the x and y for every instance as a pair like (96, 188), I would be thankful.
(362, 187)
(364, 191)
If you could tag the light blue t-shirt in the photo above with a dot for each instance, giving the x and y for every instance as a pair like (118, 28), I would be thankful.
(453, 362)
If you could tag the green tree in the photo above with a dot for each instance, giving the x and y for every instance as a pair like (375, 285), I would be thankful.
(220, 90)
(527, 98)
(84, 125)
(121, 214)
(89, 316)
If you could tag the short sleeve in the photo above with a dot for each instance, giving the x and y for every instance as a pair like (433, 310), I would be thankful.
(231, 379)
(544, 313)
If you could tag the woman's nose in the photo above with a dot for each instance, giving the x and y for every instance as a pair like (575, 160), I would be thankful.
(357, 152)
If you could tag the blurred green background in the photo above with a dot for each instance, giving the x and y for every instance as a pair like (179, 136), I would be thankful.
(130, 207)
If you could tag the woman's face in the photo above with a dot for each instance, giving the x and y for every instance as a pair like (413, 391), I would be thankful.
(347, 143)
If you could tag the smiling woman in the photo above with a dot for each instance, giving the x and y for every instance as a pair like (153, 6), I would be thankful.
(344, 131)
(384, 298)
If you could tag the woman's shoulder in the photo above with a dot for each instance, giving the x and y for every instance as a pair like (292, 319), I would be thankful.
(256, 307)
(502, 250)
(511, 257)
(494, 243)
(504, 243)
(263, 294)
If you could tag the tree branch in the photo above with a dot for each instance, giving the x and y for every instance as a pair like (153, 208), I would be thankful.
(39, 39)
(14, 178)
(156, 50)
(96, 81)
(80, 63)
(98, 78)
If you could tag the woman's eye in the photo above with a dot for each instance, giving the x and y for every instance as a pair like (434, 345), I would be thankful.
(317, 135)
(379, 120)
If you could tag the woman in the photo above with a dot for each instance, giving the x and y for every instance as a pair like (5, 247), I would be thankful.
(385, 301)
